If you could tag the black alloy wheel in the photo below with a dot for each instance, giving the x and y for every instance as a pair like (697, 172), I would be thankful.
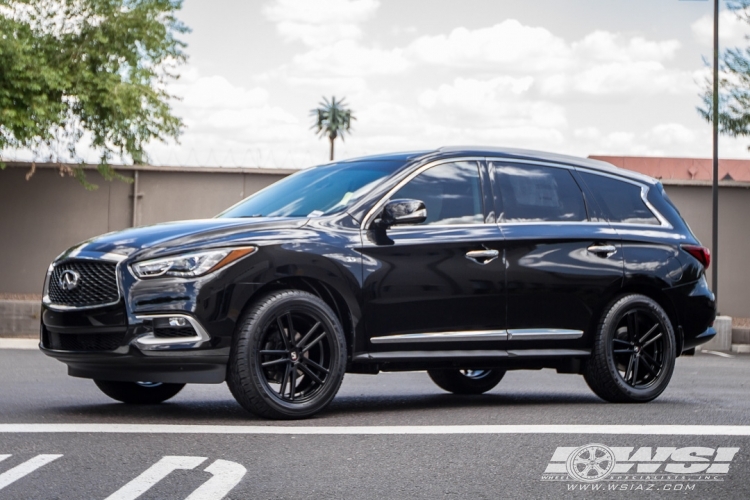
(289, 356)
(143, 393)
(634, 352)
(466, 381)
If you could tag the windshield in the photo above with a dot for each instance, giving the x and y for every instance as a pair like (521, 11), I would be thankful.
(316, 191)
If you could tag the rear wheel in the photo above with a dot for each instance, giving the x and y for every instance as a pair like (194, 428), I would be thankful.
(634, 352)
(466, 381)
(143, 393)
(289, 356)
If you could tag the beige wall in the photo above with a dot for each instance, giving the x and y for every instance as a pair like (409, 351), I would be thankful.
(47, 214)
(694, 203)
(169, 196)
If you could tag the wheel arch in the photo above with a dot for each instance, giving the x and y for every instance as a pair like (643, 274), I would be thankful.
(657, 295)
(326, 292)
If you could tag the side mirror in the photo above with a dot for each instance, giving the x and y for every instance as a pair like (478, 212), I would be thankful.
(398, 212)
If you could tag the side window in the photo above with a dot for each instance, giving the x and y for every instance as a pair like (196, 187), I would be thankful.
(451, 192)
(534, 193)
(618, 200)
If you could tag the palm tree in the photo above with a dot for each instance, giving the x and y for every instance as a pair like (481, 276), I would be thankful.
(332, 119)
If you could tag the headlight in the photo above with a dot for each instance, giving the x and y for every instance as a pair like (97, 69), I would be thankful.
(190, 264)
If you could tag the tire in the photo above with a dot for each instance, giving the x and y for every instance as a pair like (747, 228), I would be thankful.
(466, 381)
(633, 357)
(289, 356)
(138, 393)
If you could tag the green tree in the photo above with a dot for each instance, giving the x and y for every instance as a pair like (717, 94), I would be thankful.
(332, 119)
(95, 70)
(734, 84)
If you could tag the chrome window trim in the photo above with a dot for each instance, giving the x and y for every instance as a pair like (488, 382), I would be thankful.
(467, 336)
(663, 222)
(57, 307)
(558, 222)
(150, 342)
(367, 220)
(543, 334)
(440, 226)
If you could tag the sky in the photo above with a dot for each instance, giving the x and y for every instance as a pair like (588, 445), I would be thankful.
(582, 77)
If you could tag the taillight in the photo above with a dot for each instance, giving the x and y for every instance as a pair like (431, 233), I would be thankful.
(703, 254)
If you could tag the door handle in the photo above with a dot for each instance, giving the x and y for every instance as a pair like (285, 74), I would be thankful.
(602, 249)
(482, 256)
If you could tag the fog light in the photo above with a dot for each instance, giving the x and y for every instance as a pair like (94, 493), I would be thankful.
(178, 322)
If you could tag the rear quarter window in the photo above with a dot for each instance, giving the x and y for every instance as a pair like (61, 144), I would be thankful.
(619, 201)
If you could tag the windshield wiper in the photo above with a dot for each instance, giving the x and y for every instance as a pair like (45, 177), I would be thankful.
(248, 216)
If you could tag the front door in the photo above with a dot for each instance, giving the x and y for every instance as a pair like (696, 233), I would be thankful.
(442, 280)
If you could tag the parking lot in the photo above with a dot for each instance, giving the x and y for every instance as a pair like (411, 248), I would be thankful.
(386, 436)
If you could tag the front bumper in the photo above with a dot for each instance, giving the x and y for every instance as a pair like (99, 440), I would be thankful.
(129, 364)
(102, 344)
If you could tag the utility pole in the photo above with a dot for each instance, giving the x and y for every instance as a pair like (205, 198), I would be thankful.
(715, 186)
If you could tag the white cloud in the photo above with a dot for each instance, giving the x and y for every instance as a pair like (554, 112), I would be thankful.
(222, 116)
(600, 63)
(639, 77)
(732, 31)
(499, 102)
(511, 45)
(505, 84)
(671, 134)
(215, 92)
(321, 21)
(349, 58)
(610, 47)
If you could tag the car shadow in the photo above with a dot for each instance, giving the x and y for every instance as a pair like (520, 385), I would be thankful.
(379, 404)
(220, 411)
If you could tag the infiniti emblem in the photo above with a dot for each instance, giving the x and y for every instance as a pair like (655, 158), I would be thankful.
(69, 279)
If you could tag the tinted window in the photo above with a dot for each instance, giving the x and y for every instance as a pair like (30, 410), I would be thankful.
(532, 193)
(451, 192)
(316, 191)
(619, 201)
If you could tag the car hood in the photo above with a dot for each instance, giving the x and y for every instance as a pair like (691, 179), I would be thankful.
(159, 238)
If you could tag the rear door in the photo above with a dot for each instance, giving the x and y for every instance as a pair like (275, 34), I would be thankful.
(561, 264)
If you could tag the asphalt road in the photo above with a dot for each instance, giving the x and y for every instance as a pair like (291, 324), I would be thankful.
(142, 461)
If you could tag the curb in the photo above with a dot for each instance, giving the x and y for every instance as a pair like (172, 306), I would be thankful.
(25, 344)
(20, 318)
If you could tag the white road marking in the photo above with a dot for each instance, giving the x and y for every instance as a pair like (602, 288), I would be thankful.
(666, 430)
(3, 457)
(227, 475)
(24, 469)
(717, 353)
(153, 475)
(29, 344)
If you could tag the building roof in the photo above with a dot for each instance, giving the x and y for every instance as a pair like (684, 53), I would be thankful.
(681, 169)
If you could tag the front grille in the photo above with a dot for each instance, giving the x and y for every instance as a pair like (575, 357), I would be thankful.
(83, 341)
(97, 284)
(172, 332)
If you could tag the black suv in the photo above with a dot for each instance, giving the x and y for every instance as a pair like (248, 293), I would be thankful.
(465, 262)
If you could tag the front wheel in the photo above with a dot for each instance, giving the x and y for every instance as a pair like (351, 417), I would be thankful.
(466, 381)
(634, 352)
(138, 393)
(289, 356)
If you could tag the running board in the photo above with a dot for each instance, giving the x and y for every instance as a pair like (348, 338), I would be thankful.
(467, 355)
